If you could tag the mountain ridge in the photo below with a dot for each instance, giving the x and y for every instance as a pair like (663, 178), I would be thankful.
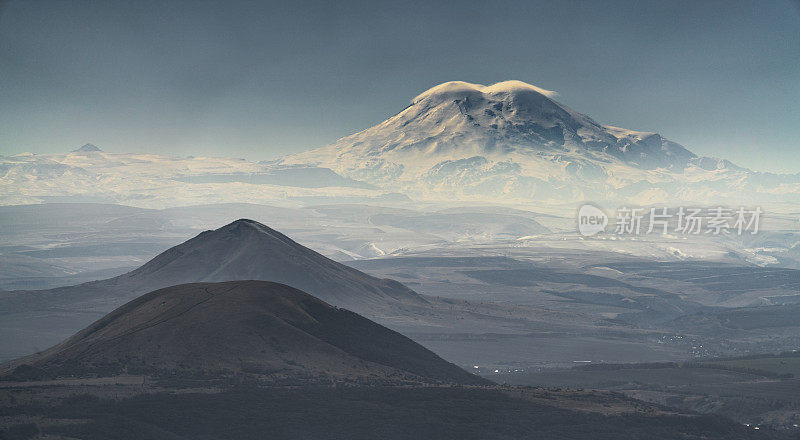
(241, 250)
(87, 148)
(251, 250)
(248, 250)
(509, 143)
(513, 142)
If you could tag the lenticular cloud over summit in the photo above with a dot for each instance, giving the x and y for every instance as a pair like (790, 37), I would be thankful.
(456, 87)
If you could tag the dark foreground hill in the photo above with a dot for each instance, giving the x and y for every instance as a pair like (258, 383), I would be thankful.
(246, 250)
(266, 329)
(248, 359)
(242, 250)
(360, 413)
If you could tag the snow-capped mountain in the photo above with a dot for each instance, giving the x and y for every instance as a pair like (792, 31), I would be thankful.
(513, 142)
(509, 143)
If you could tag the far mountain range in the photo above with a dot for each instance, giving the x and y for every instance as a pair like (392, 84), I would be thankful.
(509, 143)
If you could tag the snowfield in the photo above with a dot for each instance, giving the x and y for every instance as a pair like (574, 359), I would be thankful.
(156, 181)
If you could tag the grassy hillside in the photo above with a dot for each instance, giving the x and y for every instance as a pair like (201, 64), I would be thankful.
(355, 413)
(784, 365)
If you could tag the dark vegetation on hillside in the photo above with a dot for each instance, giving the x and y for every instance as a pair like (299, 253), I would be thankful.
(236, 328)
(354, 413)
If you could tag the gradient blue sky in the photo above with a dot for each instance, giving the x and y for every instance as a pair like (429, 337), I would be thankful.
(262, 79)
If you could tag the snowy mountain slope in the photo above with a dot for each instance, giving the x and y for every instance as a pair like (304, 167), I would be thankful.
(513, 142)
(157, 181)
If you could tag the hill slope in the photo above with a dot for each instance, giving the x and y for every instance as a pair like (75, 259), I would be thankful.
(242, 250)
(243, 326)
(248, 250)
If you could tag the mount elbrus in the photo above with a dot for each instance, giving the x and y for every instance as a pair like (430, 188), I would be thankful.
(513, 142)
(509, 143)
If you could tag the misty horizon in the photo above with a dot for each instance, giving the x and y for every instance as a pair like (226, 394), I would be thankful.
(190, 86)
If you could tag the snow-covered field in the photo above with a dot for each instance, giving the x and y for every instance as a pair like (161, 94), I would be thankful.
(158, 181)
